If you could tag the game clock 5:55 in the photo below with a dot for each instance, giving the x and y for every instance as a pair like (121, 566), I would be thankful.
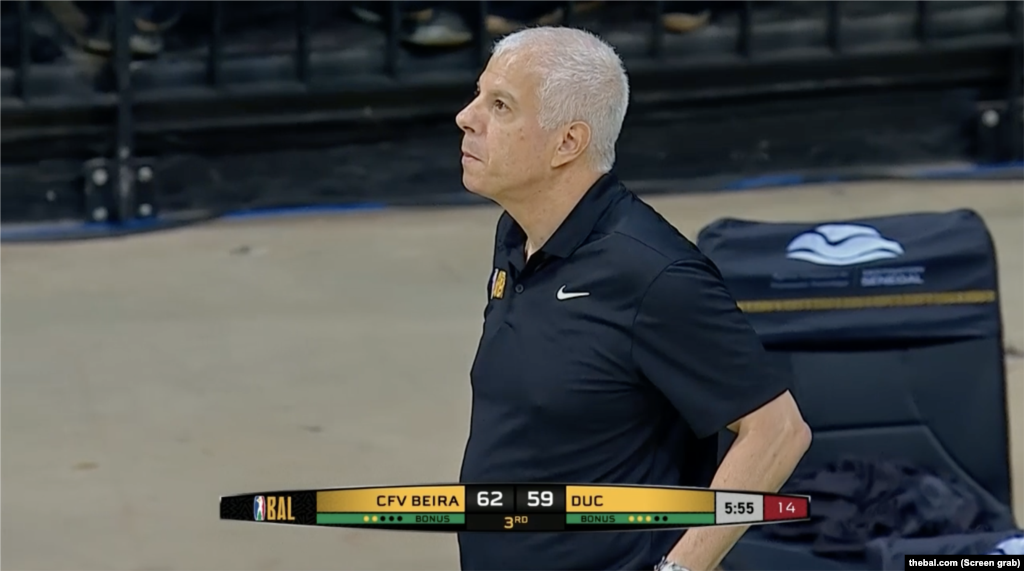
(739, 508)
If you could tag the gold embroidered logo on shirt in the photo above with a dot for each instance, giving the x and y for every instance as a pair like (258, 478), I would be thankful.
(498, 284)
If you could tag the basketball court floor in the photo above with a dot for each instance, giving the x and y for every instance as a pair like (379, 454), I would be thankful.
(143, 378)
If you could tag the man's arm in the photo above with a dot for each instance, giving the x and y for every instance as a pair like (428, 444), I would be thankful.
(769, 443)
(695, 345)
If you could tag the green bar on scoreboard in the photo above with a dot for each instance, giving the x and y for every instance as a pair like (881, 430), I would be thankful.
(389, 519)
(637, 518)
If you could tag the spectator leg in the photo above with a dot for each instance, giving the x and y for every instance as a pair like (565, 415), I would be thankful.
(91, 25)
(424, 23)
(156, 17)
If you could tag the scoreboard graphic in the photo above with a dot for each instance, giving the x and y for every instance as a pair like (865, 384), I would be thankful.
(448, 508)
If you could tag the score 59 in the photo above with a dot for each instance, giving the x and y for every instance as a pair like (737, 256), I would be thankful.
(540, 499)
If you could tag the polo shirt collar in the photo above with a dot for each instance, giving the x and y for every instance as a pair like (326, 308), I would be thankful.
(575, 229)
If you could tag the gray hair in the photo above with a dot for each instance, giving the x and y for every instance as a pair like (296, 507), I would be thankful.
(581, 79)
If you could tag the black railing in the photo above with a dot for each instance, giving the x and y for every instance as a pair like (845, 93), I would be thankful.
(1015, 23)
(315, 86)
(24, 55)
(305, 74)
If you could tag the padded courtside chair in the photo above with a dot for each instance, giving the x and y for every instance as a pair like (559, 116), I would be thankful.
(892, 330)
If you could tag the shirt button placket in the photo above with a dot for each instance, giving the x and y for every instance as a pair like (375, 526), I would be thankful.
(518, 289)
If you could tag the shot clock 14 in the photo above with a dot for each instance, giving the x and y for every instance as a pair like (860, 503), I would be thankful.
(516, 507)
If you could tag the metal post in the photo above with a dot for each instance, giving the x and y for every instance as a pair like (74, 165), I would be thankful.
(394, 29)
(302, 42)
(744, 36)
(658, 31)
(923, 23)
(1015, 90)
(214, 55)
(124, 176)
(570, 14)
(483, 37)
(834, 28)
(24, 51)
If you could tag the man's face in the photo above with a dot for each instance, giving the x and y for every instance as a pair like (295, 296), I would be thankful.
(503, 145)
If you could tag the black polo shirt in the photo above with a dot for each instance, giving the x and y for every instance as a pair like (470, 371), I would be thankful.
(614, 355)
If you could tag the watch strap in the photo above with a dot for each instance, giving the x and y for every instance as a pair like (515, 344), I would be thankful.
(666, 565)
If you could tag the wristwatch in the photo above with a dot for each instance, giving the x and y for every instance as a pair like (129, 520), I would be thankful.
(666, 565)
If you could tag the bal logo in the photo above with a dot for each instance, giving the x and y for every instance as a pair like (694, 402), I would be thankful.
(272, 508)
(259, 508)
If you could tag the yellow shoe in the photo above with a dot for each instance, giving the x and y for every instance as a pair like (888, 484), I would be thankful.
(500, 26)
(680, 23)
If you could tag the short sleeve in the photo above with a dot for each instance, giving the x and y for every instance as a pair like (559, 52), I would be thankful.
(693, 343)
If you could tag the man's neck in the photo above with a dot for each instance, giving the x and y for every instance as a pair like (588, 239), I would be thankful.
(540, 211)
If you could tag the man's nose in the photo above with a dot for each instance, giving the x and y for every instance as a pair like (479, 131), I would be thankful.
(464, 119)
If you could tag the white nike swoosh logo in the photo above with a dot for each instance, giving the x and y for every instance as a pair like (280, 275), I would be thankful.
(563, 295)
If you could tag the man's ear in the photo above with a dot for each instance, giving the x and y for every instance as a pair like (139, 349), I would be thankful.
(573, 144)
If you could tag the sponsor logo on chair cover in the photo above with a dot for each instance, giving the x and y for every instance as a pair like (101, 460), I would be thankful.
(842, 245)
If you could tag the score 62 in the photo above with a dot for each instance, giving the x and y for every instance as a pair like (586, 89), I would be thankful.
(484, 498)
(490, 499)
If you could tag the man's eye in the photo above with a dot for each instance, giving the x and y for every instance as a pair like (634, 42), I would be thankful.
(499, 104)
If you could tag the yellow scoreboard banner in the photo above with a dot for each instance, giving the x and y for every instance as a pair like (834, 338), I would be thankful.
(610, 499)
(403, 499)
(503, 507)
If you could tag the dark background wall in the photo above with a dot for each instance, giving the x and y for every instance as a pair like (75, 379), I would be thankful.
(118, 111)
